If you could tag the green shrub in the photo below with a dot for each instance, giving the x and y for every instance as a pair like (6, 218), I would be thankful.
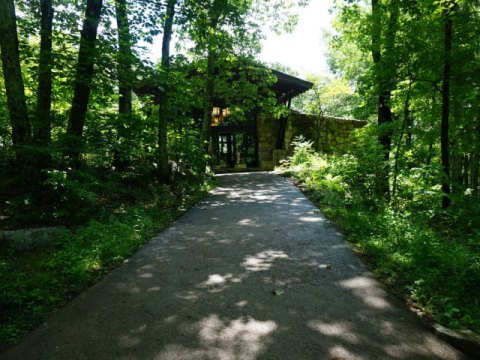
(75, 198)
(302, 151)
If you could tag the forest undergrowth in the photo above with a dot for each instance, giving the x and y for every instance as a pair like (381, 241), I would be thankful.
(108, 219)
(427, 255)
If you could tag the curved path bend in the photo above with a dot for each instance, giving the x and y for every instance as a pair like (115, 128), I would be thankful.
(252, 272)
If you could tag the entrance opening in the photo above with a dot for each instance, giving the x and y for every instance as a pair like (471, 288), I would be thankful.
(234, 149)
(226, 149)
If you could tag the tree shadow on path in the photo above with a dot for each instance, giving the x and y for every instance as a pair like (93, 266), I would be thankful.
(252, 272)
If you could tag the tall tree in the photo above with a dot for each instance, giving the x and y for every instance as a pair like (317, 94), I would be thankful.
(83, 80)
(14, 85)
(163, 170)
(215, 12)
(124, 68)
(444, 128)
(208, 95)
(42, 124)
(384, 83)
(124, 58)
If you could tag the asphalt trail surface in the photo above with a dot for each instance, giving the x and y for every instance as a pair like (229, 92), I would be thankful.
(254, 271)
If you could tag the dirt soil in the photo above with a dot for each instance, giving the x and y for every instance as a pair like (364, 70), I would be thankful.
(254, 271)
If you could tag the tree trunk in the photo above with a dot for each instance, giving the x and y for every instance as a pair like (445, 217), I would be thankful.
(215, 13)
(456, 167)
(384, 115)
(124, 79)
(14, 86)
(208, 99)
(42, 125)
(283, 124)
(476, 160)
(406, 121)
(83, 81)
(444, 128)
(466, 170)
(124, 57)
(409, 140)
(474, 173)
(163, 170)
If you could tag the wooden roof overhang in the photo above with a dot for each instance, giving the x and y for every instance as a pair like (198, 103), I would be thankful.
(288, 86)
(285, 88)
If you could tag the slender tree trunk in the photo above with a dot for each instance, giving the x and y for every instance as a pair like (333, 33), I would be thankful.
(124, 79)
(476, 160)
(215, 13)
(42, 125)
(384, 115)
(283, 124)
(444, 128)
(466, 170)
(406, 117)
(83, 81)
(474, 173)
(163, 170)
(409, 123)
(208, 98)
(124, 57)
(14, 85)
(455, 168)
(409, 139)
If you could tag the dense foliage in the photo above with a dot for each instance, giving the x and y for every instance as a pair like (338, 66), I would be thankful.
(407, 191)
(416, 67)
(78, 96)
(99, 140)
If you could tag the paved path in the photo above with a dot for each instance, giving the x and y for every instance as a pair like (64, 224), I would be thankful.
(204, 289)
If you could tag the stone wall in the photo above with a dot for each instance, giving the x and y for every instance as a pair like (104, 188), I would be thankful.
(328, 133)
(27, 239)
(267, 130)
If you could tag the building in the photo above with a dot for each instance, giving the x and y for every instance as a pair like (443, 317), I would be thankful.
(260, 141)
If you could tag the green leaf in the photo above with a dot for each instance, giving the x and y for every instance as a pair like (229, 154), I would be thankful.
(278, 292)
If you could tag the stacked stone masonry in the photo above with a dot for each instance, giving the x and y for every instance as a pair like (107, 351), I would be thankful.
(328, 134)
(267, 130)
